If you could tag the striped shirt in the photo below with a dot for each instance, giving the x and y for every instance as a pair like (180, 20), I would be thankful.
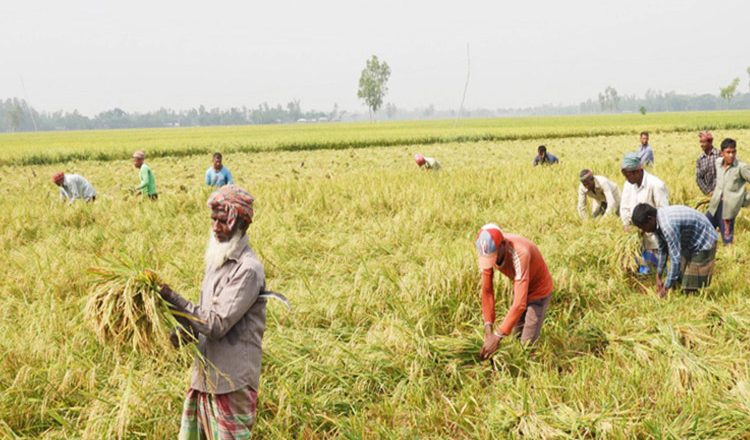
(681, 231)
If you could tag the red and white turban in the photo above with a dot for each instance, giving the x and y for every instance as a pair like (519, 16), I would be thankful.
(233, 200)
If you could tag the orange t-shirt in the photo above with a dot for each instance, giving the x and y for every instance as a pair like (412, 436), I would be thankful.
(524, 264)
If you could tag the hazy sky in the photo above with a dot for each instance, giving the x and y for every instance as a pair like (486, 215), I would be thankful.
(141, 55)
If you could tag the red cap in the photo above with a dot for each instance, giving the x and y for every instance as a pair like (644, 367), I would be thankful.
(58, 177)
(419, 159)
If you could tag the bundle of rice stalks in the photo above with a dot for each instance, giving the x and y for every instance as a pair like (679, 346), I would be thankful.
(125, 309)
(624, 256)
(463, 349)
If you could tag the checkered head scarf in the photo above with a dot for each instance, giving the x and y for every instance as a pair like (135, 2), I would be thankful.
(233, 200)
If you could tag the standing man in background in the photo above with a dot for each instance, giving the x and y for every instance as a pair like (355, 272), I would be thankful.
(147, 186)
(74, 186)
(645, 152)
(218, 174)
(729, 194)
(705, 166)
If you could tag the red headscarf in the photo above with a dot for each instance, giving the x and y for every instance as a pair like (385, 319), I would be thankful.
(58, 177)
(706, 135)
(233, 200)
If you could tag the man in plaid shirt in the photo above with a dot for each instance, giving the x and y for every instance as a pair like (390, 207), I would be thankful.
(687, 237)
(705, 166)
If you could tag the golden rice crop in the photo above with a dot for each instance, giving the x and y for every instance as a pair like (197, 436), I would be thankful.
(125, 309)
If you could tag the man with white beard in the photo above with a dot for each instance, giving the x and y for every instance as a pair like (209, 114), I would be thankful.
(228, 323)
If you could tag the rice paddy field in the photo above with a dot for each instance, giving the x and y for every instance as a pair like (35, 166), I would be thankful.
(377, 258)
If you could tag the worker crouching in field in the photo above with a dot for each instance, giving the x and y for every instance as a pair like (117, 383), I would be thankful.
(641, 187)
(147, 186)
(687, 238)
(543, 157)
(74, 186)
(427, 163)
(229, 324)
(729, 193)
(603, 192)
(520, 260)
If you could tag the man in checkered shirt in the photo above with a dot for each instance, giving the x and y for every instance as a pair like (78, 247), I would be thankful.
(705, 166)
(687, 238)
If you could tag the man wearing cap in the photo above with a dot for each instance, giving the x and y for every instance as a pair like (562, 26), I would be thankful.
(645, 152)
(148, 182)
(228, 322)
(603, 192)
(543, 157)
(520, 260)
(687, 238)
(74, 186)
(705, 166)
(641, 187)
(426, 163)
(218, 174)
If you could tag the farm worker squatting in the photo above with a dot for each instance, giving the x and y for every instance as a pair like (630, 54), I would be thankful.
(641, 187)
(544, 158)
(705, 166)
(231, 317)
(520, 260)
(426, 163)
(603, 192)
(147, 186)
(687, 238)
(645, 152)
(218, 174)
(74, 186)
(729, 194)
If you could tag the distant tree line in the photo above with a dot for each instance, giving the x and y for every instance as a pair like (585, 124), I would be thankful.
(17, 115)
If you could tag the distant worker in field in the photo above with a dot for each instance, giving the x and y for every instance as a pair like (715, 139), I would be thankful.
(729, 194)
(229, 323)
(218, 174)
(520, 260)
(705, 166)
(641, 187)
(147, 186)
(426, 163)
(74, 186)
(686, 238)
(543, 157)
(645, 152)
(603, 192)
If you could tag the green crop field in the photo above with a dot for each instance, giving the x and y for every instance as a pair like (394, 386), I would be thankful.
(379, 263)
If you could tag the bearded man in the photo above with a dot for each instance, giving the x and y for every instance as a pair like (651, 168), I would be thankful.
(228, 323)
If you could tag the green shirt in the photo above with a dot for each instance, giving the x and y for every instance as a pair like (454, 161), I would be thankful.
(148, 183)
(730, 188)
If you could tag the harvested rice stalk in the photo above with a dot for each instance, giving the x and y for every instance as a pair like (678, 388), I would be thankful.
(125, 308)
(624, 255)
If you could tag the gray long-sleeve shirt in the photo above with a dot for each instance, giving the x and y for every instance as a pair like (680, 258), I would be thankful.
(232, 322)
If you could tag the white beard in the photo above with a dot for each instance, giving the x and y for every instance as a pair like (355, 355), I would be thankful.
(218, 252)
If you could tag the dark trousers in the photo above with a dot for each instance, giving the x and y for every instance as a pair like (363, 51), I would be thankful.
(726, 228)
